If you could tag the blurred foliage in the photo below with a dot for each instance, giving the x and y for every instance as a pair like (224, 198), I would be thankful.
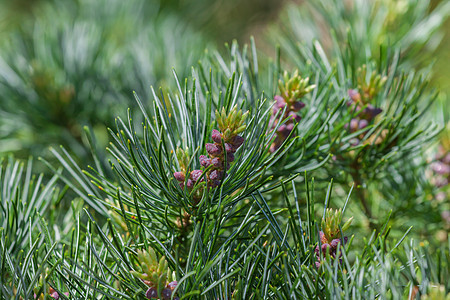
(410, 25)
(76, 63)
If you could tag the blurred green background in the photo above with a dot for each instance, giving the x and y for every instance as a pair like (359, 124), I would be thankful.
(66, 64)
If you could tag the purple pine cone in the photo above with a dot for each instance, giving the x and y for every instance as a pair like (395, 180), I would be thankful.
(217, 162)
(166, 294)
(372, 111)
(196, 175)
(334, 243)
(298, 105)
(237, 141)
(229, 148)
(213, 149)
(54, 295)
(282, 128)
(189, 184)
(363, 124)
(215, 175)
(290, 127)
(280, 102)
(294, 116)
(172, 285)
(179, 176)
(325, 248)
(151, 293)
(230, 157)
(216, 136)
(376, 111)
(354, 125)
(205, 161)
(316, 250)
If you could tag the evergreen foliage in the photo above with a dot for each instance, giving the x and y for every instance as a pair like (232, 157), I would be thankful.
(304, 176)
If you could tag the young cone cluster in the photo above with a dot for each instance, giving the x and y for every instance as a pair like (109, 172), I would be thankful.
(292, 89)
(220, 153)
(330, 236)
(155, 274)
(195, 176)
(361, 98)
(226, 142)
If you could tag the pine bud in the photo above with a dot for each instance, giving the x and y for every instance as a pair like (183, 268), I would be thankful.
(172, 285)
(229, 148)
(216, 136)
(230, 157)
(334, 243)
(372, 111)
(189, 184)
(237, 141)
(196, 175)
(282, 128)
(298, 105)
(363, 124)
(216, 162)
(205, 161)
(325, 248)
(213, 150)
(289, 128)
(215, 175)
(280, 102)
(292, 115)
(179, 176)
(275, 110)
(354, 125)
